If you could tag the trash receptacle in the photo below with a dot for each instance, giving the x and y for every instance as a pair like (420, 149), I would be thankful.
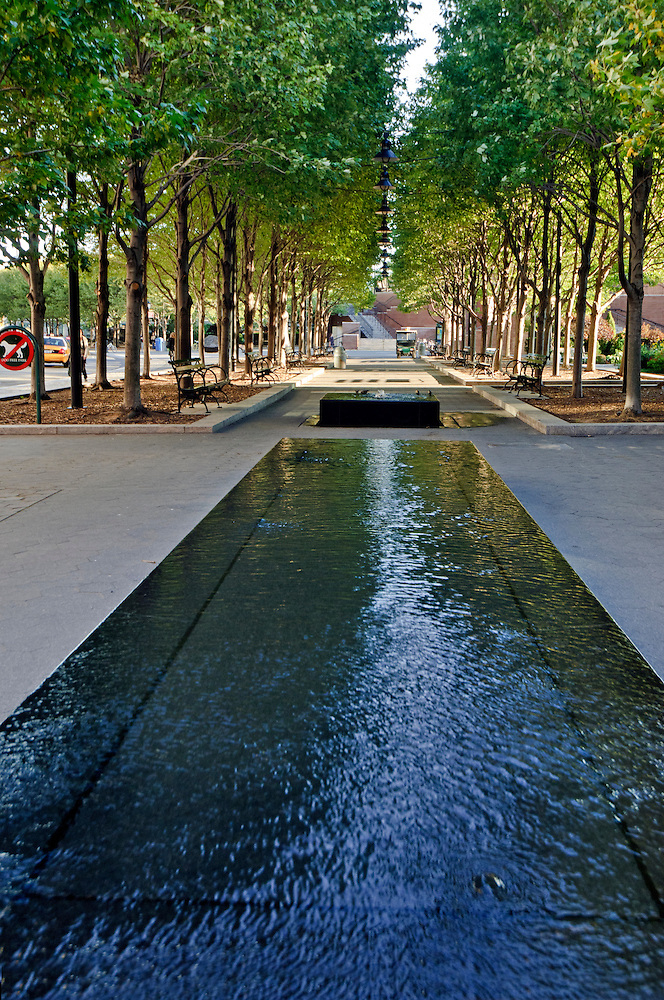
(339, 357)
(159, 344)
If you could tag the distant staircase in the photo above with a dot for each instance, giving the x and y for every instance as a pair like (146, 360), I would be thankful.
(372, 328)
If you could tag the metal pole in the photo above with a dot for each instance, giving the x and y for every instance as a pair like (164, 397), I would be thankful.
(38, 379)
(74, 304)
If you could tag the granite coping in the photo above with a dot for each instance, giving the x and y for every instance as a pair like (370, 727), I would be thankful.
(548, 423)
(210, 423)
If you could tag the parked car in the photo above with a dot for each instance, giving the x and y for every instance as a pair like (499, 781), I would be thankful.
(56, 351)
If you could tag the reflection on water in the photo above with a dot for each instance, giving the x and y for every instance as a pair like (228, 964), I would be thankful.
(364, 734)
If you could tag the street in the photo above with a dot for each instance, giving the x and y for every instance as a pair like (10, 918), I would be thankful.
(14, 383)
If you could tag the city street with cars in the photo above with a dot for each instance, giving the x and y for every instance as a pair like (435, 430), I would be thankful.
(15, 383)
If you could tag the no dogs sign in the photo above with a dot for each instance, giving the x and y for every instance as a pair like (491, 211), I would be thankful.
(16, 348)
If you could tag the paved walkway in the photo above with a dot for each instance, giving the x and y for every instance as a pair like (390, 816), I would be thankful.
(83, 519)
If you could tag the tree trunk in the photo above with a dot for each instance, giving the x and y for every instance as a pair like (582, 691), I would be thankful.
(135, 277)
(219, 301)
(569, 312)
(520, 319)
(201, 307)
(103, 297)
(584, 271)
(228, 271)
(540, 338)
(294, 315)
(249, 264)
(183, 265)
(35, 277)
(145, 317)
(284, 339)
(641, 186)
(557, 302)
(273, 298)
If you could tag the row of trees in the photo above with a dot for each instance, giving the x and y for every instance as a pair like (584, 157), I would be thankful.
(532, 165)
(226, 139)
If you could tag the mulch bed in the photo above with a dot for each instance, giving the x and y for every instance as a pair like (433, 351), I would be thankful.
(601, 404)
(104, 406)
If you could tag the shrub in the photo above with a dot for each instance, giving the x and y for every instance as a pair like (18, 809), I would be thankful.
(607, 345)
(656, 362)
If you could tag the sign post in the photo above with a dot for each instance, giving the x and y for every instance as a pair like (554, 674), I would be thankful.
(18, 349)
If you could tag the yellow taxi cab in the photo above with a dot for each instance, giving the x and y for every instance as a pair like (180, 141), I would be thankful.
(56, 351)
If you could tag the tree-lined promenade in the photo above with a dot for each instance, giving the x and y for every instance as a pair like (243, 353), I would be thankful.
(226, 141)
(533, 195)
(222, 153)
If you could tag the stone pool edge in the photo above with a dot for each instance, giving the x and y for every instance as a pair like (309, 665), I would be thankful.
(547, 423)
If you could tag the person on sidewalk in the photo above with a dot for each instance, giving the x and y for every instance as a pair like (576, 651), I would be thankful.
(85, 350)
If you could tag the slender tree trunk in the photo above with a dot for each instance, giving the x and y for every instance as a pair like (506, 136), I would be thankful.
(641, 186)
(219, 302)
(135, 278)
(484, 321)
(103, 297)
(604, 263)
(228, 271)
(273, 300)
(569, 312)
(558, 304)
(145, 316)
(201, 306)
(294, 314)
(34, 275)
(539, 342)
(283, 318)
(183, 251)
(37, 313)
(584, 271)
(520, 319)
(249, 264)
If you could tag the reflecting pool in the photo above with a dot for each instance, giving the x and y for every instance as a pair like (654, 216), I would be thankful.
(363, 735)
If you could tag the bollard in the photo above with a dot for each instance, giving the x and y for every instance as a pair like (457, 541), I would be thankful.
(339, 357)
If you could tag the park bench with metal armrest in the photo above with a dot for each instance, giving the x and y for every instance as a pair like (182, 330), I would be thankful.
(530, 377)
(295, 360)
(198, 382)
(483, 362)
(261, 369)
(462, 359)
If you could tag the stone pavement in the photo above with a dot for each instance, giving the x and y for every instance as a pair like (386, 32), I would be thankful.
(84, 518)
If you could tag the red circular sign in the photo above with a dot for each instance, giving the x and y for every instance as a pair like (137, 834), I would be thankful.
(16, 349)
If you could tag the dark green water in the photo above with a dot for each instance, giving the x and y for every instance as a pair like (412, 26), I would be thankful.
(363, 735)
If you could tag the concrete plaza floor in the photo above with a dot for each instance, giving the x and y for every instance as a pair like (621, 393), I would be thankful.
(84, 518)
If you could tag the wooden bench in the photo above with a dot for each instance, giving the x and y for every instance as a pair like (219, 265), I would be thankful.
(198, 382)
(261, 369)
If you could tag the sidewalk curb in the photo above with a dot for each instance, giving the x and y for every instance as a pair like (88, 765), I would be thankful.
(547, 423)
(210, 423)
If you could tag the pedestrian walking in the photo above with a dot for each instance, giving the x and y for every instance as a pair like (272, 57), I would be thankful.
(85, 350)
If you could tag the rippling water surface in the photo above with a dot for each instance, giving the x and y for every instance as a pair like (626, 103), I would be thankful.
(364, 734)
